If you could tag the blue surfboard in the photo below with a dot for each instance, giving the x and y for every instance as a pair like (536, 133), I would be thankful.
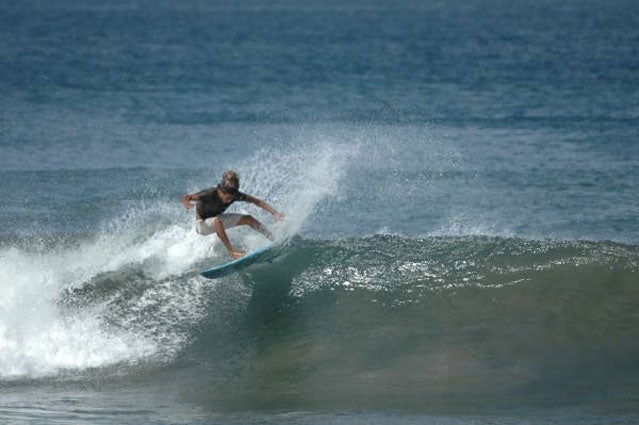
(249, 258)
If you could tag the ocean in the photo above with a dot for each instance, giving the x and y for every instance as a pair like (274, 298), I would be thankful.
(460, 181)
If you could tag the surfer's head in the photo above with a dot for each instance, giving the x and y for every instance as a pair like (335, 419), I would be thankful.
(230, 182)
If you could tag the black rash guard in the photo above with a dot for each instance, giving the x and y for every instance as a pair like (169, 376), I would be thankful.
(210, 204)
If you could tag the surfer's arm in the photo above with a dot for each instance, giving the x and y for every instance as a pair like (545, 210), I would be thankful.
(266, 207)
(187, 199)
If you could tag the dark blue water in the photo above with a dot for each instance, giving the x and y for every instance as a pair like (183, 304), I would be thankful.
(460, 180)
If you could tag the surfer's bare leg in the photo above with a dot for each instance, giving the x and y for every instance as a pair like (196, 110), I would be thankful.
(221, 233)
(248, 220)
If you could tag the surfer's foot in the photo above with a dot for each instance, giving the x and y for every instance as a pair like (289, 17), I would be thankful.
(236, 254)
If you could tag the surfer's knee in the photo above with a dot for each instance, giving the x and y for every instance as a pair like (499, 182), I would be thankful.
(218, 227)
(248, 220)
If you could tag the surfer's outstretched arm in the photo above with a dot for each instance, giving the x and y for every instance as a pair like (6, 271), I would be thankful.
(266, 207)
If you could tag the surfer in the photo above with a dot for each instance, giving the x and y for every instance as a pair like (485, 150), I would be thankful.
(211, 203)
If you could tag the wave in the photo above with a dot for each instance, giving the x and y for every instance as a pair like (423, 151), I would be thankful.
(388, 321)
(588, 288)
(377, 321)
(81, 309)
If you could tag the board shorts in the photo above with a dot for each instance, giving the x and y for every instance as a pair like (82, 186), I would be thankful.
(207, 226)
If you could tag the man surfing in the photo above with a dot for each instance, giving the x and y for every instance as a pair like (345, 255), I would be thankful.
(211, 203)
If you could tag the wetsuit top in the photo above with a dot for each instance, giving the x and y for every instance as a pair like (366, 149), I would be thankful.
(210, 204)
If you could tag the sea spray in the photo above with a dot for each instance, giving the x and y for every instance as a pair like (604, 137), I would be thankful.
(297, 180)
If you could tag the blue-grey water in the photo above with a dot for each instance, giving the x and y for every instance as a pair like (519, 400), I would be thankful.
(461, 187)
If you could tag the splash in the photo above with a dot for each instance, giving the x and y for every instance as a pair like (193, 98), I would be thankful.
(299, 181)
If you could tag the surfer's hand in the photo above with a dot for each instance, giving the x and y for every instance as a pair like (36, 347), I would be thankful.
(278, 216)
(186, 201)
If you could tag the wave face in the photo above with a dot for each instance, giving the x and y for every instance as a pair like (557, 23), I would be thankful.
(397, 322)
(375, 322)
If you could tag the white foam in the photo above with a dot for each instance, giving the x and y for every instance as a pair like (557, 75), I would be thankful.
(38, 337)
(34, 338)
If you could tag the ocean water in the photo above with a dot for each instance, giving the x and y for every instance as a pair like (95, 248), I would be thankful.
(460, 181)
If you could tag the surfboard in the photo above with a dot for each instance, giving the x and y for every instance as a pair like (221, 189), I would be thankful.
(261, 254)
